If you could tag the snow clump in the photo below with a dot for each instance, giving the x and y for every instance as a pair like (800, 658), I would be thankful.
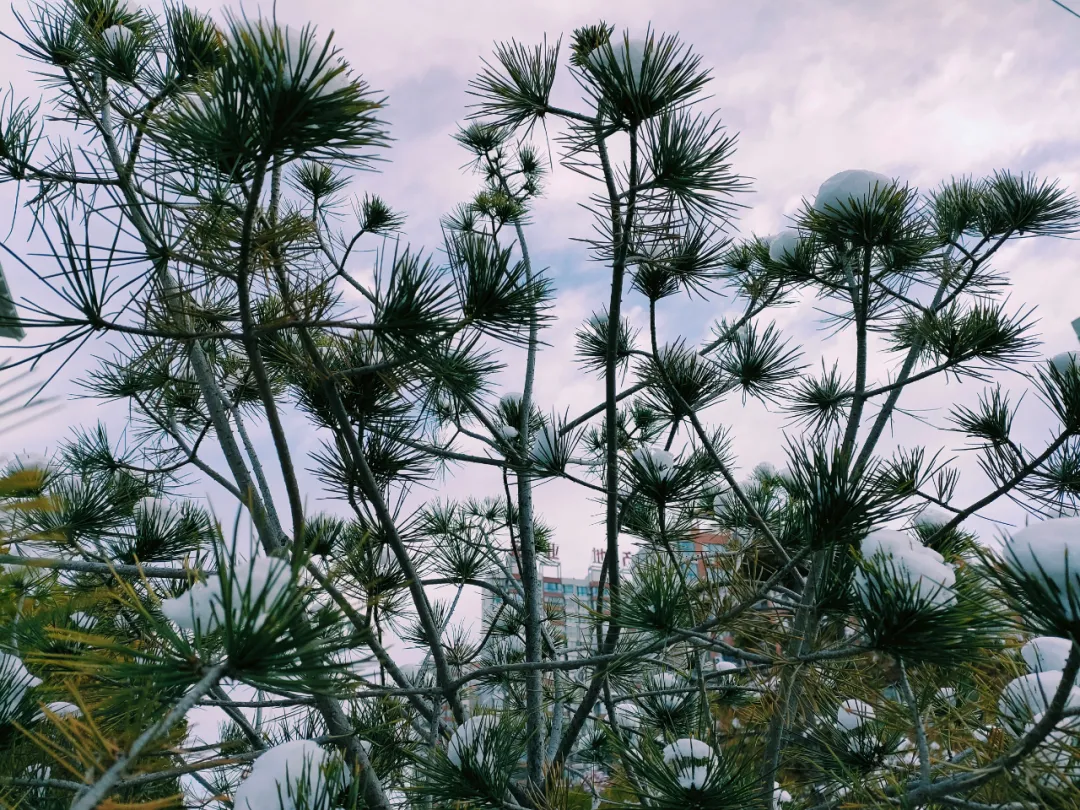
(909, 562)
(780, 796)
(468, 739)
(1049, 552)
(1046, 653)
(653, 458)
(16, 680)
(627, 53)
(1062, 361)
(289, 776)
(115, 36)
(783, 244)
(261, 581)
(1029, 695)
(546, 449)
(765, 470)
(838, 191)
(933, 515)
(60, 708)
(667, 682)
(506, 432)
(854, 713)
(692, 761)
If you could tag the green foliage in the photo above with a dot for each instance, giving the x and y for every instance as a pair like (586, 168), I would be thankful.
(630, 87)
(482, 778)
(277, 95)
(898, 619)
(515, 90)
(592, 344)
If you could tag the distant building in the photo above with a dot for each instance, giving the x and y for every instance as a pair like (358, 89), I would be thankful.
(570, 599)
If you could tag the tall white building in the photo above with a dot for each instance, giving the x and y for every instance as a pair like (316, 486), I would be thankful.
(568, 599)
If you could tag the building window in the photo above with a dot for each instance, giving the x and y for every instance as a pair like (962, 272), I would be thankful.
(582, 590)
(568, 588)
(551, 586)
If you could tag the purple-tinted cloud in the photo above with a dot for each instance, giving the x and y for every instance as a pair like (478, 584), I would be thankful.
(918, 90)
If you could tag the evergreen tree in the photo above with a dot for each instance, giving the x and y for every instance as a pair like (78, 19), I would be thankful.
(194, 211)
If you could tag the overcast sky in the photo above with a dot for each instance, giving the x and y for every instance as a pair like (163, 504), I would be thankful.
(918, 90)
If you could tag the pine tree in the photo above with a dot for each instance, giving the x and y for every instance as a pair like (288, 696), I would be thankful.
(194, 208)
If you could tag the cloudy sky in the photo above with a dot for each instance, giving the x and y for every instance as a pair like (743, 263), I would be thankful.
(920, 90)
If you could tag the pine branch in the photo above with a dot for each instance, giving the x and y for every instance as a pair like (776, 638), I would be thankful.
(917, 724)
(97, 792)
(116, 569)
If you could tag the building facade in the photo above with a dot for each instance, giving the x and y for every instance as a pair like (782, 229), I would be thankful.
(571, 602)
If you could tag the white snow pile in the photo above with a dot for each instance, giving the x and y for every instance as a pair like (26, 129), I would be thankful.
(628, 53)
(306, 65)
(84, 621)
(853, 714)
(467, 741)
(259, 582)
(1046, 653)
(905, 755)
(654, 458)
(783, 244)
(668, 682)
(780, 796)
(546, 448)
(16, 680)
(60, 708)
(627, 715)
(155, 509)
(1026, 699)
(1049, 552)
(31, 461)
(313, 67)
(839, 190)
(506, 432)
(692, 761)
(764, 470)
(1030, 695)
(910, 563)
(1062, 361)
(687, 748)
(116, 36)
(290, 776)
(1053, 753)
(947, 694)
(508, 402)
(933, 515)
